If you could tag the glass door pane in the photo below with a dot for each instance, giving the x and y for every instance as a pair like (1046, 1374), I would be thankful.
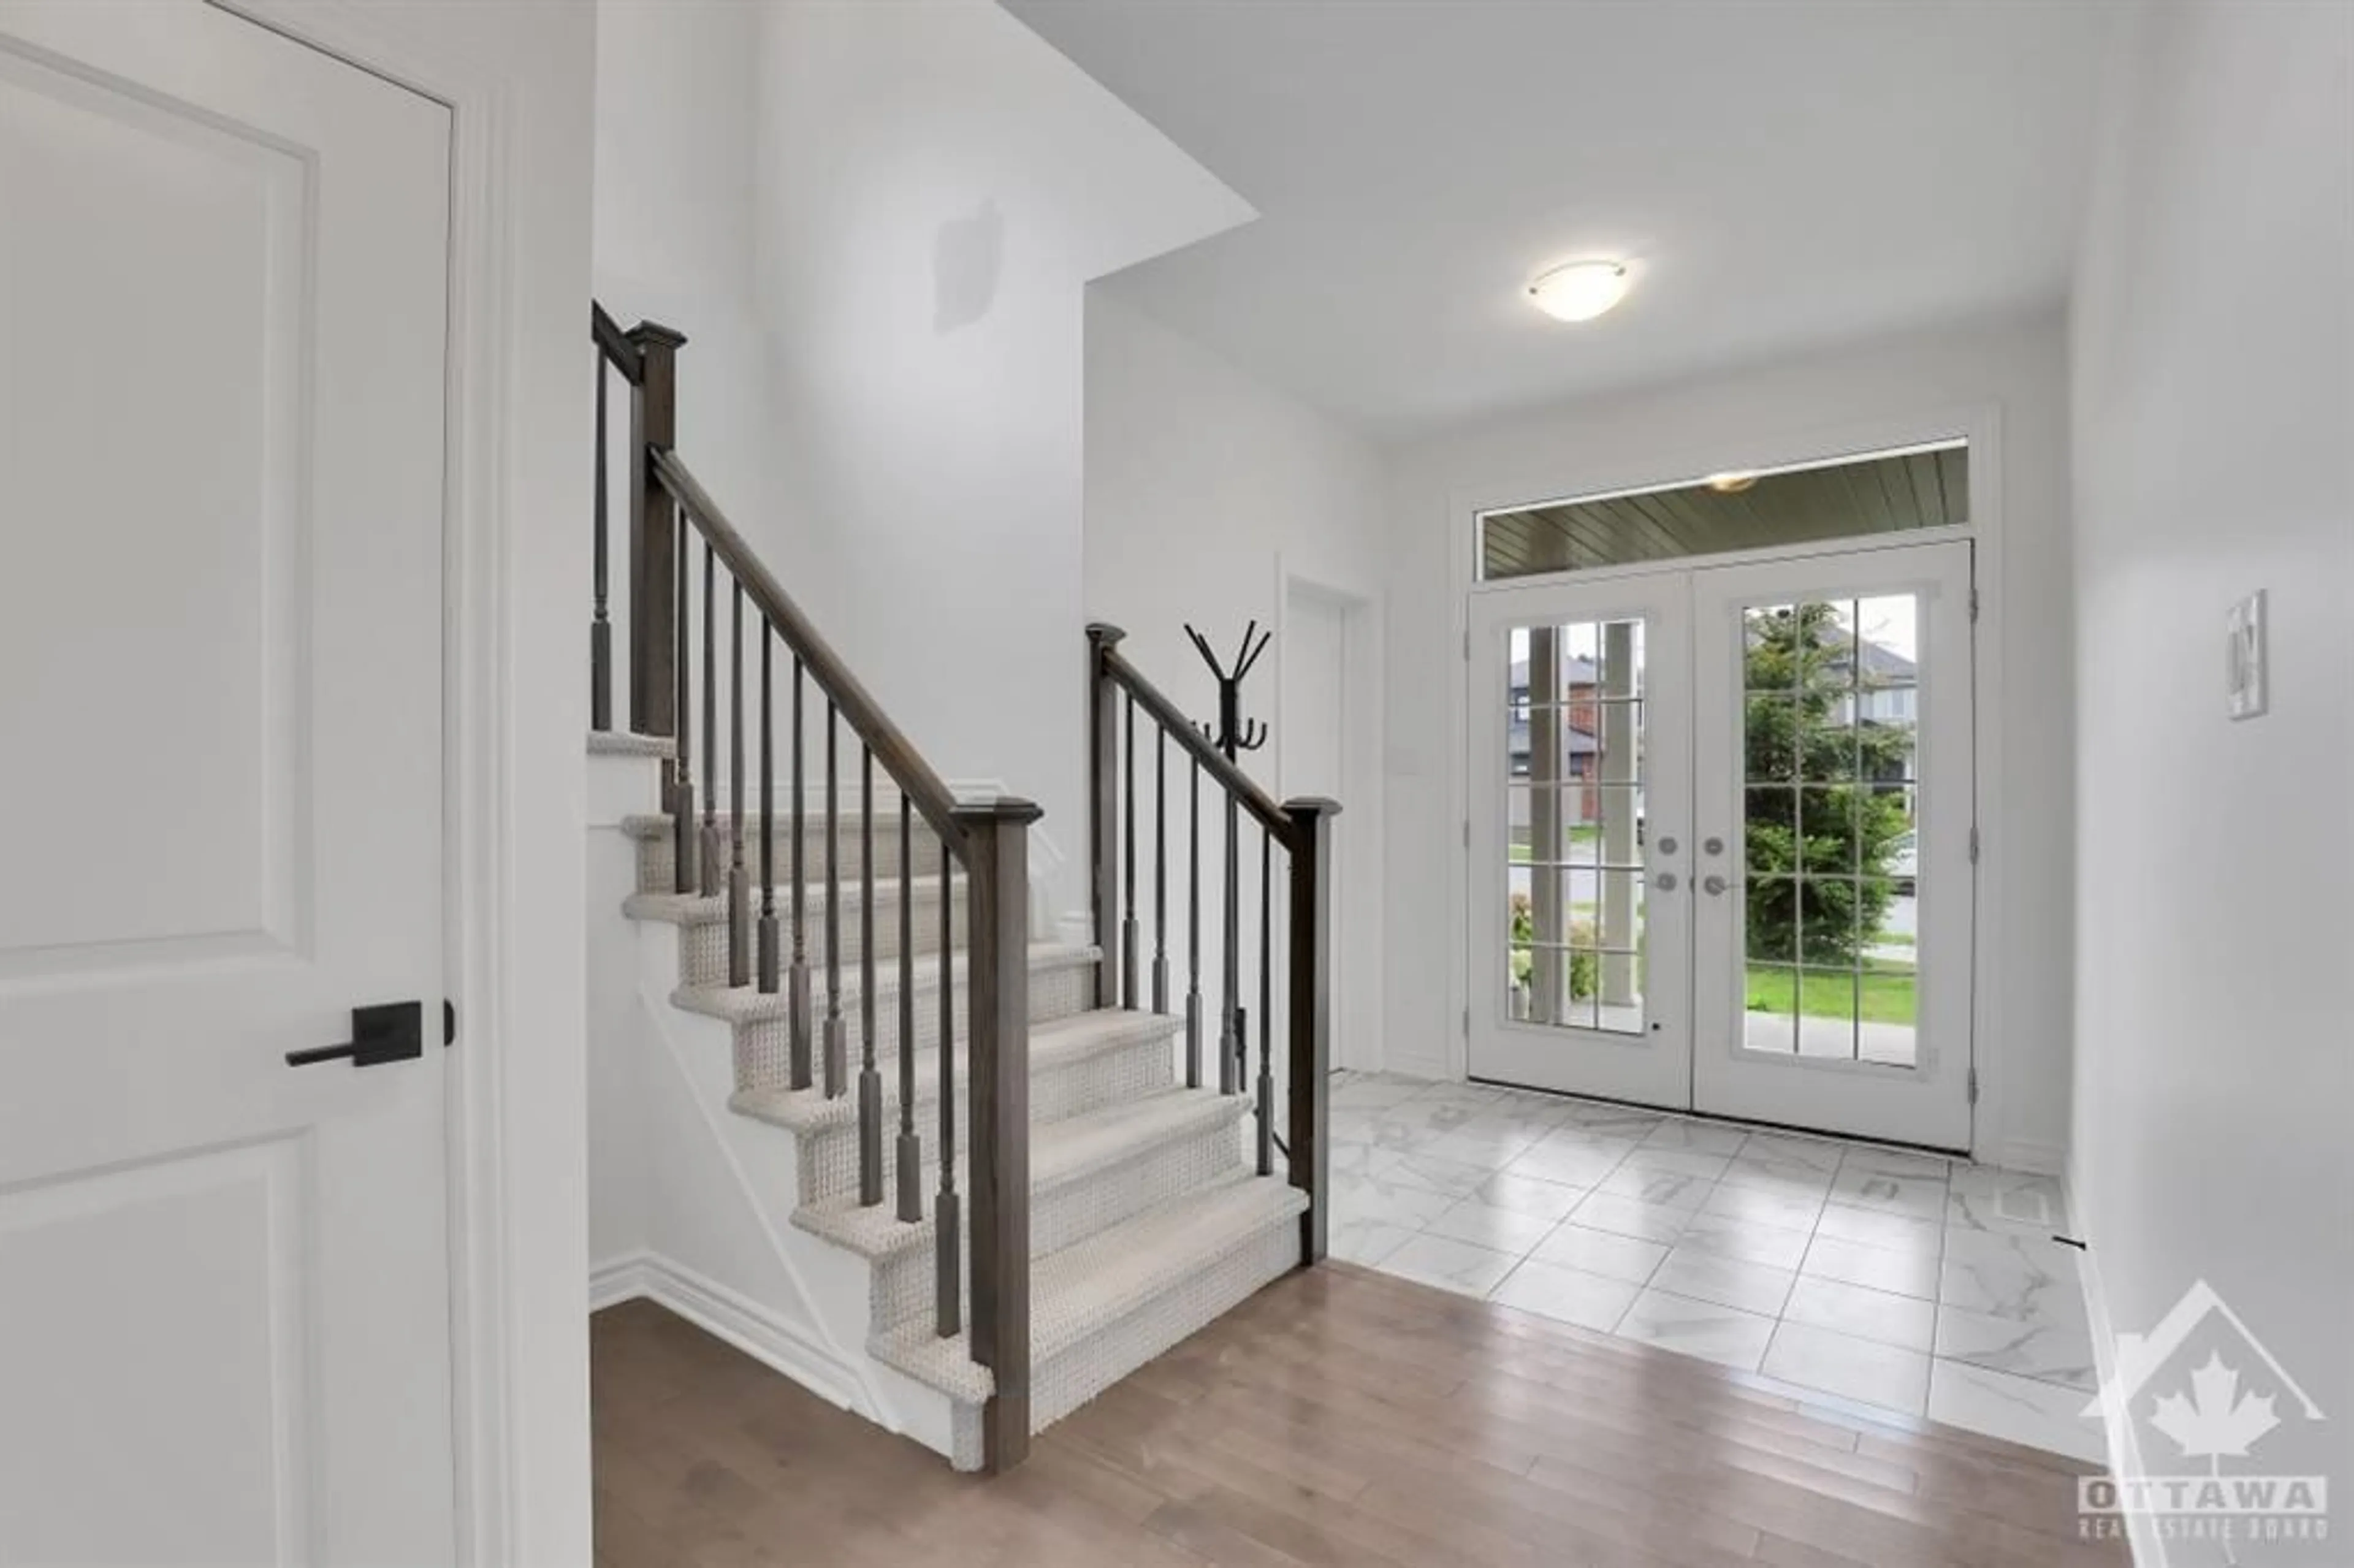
(1574, 697)
(1830, 883)
(1833, 935)
(1580, 790)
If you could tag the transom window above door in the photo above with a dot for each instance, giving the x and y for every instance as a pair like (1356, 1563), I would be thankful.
(1926, 487)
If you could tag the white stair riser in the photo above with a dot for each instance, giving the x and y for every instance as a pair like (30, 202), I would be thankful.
(764, 1045)
(703, 944)
(1069, 1212)
(829, 1157)
(657, 856)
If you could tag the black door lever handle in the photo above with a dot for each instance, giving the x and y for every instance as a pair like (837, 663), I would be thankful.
(388, 1031)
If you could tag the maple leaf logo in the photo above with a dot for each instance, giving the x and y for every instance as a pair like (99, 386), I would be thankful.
(2217, 1419)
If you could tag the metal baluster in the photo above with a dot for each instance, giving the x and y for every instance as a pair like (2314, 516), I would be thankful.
(1193, 930)
(910, 1158)
(837, 1033)
(1266, 1003)
(683, 839)
(710, 727)
(1159, 867)
(769, 954)
(739, 927)
(870, 1082)
(600, 630)
(1230, 1016)
(1130, 991)
(947, 1302)
(798, 991)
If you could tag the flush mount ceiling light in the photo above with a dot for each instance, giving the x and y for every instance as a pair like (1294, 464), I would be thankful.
(1730, 484)
(1580, 290)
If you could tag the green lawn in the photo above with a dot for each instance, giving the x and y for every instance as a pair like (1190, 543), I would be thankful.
(1887, 994)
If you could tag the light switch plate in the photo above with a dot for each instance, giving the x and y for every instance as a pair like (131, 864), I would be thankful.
(2244, 688)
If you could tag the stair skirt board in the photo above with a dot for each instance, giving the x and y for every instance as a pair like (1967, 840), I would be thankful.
(1146, 1221)
(774, 1342)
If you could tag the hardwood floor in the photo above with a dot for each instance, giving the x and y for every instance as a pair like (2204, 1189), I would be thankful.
(1337, 1418)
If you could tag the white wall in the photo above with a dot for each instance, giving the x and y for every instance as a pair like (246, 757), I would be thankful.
(1835, 402)
(1205, 489)
(935, 188)
(675, 208)
(2212, 339)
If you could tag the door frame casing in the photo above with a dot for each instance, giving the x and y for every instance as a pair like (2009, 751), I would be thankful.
(514, 716)
(1360, 1046)
(1978, 423)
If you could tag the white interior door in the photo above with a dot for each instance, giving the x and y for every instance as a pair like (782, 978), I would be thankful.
(224, 1300)
(1832, 704)
(1582, 789)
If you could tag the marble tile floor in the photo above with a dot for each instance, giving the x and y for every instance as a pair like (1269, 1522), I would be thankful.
(1885, 1278)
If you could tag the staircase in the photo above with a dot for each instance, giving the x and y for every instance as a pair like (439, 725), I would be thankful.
(1043, 1174)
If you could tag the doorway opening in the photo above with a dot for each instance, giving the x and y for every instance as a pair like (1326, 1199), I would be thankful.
(1722, 827)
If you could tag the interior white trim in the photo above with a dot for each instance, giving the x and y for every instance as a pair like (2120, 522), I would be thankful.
(1365, 646)
(1980, 423)
(725, 1314)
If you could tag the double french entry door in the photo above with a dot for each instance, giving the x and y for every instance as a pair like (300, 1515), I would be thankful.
(1721, 840)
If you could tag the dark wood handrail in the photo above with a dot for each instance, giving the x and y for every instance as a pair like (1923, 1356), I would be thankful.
(1195, 744)
(619, 350)
(891, 746)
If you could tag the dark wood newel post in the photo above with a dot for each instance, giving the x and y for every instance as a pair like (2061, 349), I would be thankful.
(1103, 803)
(1311, 1016)
(997, 871)
(653, 535)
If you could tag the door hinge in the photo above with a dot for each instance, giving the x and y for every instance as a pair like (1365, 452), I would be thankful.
(1467, 832)
(1466, 1023)
(1974, 605)
(1467, 644)
(1974, 843)
(1974, 1086)
(448, 1023)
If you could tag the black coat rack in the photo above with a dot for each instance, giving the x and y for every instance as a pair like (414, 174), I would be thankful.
(1234, 733)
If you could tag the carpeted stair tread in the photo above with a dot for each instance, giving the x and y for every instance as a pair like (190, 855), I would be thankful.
(1054, 1044)
(1089, 1287)
(701, 909)
(621, 743)
(741, 1003)
(1062, 1153)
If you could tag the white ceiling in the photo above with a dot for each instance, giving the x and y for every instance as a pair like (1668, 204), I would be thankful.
(1781, 172)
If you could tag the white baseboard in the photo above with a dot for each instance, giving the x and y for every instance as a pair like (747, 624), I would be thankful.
(2143, 1539)
(2027, 1156)
(1417, 1066)
(725, 1314)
